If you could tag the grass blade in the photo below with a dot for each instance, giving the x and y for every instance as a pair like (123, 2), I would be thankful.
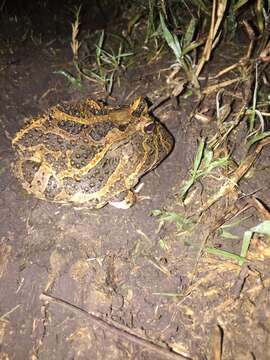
(199, 154)
(189, 34)
(226, 254)
(171, 39)
(258, 137)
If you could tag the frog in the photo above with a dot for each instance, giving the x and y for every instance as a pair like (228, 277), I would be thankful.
(89, 154)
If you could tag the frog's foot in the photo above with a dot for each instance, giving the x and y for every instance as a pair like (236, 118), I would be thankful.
(124, 200)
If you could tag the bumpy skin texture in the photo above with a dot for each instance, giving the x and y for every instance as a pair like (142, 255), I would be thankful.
(87, 153)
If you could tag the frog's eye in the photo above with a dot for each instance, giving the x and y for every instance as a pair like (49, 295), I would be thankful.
(149, 128)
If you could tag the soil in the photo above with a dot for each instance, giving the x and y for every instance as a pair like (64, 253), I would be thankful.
(59, 265)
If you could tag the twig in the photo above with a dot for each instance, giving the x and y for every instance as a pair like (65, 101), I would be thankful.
(2, 317)
(223, 84)
(218, 11)
(121, 332)
(217, 342)
(260, 207)
(225, 71)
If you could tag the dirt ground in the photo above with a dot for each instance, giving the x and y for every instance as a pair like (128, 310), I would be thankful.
(59, 264)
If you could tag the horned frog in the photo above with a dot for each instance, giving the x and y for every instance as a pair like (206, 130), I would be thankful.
(89, 154)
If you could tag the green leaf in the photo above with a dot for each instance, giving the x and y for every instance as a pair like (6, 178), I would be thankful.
(226, 254)
(100, 43)
(239, 4)
(262, 228)
(187, 185)
(110, 83)
(246, 242)
(71, 78)
(163, 244)
(190, 32)
(258, 137)
(199, 154)
(180, 220)
(191, 47)
(224, 161)
(171, 39)
(235, 222)
(208, 157)
(228, 235)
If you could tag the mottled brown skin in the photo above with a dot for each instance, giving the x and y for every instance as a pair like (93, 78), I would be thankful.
(87, 153)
